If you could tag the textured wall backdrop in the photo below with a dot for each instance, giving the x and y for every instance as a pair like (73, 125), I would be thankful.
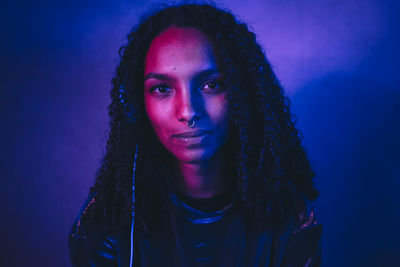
(339, 63)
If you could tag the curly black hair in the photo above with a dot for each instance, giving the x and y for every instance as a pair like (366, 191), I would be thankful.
(273, 175)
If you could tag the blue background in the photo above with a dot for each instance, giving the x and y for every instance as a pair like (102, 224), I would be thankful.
(338, 61)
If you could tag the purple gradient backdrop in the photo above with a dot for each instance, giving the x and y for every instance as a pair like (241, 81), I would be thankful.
(338, 60)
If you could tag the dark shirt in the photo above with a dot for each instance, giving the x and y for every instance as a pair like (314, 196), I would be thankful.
(207, 232)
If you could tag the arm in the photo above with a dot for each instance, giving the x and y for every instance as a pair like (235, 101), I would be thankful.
(304, 245)
(90, 246)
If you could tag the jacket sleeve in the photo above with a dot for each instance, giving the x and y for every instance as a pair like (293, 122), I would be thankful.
(90, 246)
(304, 245)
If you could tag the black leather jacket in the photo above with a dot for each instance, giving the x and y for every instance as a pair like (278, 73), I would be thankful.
(91, 245)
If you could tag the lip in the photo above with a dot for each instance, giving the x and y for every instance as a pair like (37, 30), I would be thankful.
(192, 134)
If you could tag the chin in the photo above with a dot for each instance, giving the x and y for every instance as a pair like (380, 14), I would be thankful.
(194, 155)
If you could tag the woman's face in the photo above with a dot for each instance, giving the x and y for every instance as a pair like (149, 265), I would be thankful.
(183, 84)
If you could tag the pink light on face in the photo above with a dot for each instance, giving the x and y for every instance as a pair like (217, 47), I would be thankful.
(182, 83)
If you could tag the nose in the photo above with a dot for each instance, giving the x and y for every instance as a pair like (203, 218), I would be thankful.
(187, 105)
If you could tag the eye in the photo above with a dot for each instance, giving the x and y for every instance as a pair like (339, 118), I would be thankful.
(213, 86)
(162, 89)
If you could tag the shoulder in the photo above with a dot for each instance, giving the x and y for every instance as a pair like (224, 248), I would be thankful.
(90, 244)
(303, 247)
(78, 230)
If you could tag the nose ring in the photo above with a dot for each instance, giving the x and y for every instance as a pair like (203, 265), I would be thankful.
(190, 123)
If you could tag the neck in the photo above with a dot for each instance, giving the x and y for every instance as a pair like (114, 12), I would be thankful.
(204, 179)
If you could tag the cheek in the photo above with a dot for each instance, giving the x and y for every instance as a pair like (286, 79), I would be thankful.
(217, 109)
(157, 113)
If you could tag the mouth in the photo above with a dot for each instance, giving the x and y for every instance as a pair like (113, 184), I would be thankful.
(192, 134)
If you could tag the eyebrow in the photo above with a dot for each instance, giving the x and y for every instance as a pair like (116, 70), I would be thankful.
(165, 77)
(156, 76)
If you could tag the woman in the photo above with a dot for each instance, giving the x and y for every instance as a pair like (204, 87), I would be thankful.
(204, 166)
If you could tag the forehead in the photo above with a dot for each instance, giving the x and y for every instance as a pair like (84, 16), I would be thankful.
(177, 47)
